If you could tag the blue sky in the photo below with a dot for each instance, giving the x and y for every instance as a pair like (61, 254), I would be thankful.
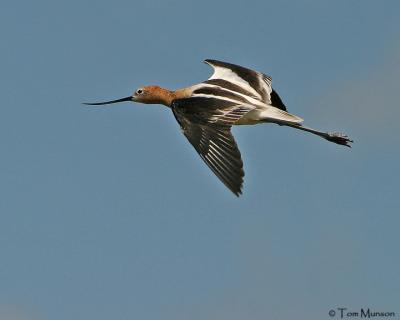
(108, 213)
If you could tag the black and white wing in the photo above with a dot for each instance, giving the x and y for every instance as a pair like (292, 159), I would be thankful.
(255, 83)
(207, 127)
(245, 81)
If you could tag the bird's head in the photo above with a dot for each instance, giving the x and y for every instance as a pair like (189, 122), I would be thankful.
(145, 94)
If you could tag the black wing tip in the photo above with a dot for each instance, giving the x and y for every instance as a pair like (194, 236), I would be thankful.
(224, 64)
(215, 62)
(237, 193)
(235, 188)
(209, 62)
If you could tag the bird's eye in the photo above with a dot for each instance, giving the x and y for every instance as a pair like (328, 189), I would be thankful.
(139, 91)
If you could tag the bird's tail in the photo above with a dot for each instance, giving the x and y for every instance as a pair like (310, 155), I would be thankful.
(276, 115)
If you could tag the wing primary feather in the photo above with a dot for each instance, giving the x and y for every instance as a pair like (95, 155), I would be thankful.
(234, 187)
(209, 133)
(227, 166)
(229, 181)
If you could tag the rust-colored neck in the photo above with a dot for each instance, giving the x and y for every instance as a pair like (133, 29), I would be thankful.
(158, 95)
(163, 96)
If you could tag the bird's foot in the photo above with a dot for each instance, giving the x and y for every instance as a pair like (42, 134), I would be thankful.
(339, 138)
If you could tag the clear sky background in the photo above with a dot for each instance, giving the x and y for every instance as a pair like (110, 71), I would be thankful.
(109, 213)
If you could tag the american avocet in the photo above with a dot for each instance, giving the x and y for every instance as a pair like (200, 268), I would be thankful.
(233, 95)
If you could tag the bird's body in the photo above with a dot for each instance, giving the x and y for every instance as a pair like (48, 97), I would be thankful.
(233, 95)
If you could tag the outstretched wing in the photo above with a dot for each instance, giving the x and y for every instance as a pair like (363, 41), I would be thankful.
(208, 129)
(246, 81)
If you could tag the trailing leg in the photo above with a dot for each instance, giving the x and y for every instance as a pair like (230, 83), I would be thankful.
(335, 137)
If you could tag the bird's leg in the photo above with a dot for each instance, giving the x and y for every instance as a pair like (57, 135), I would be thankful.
(335, 137)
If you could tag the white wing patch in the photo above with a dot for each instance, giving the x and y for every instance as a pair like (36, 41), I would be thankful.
(257, 84)
(229, 75)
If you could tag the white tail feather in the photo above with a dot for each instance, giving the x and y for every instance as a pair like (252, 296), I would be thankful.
(273, 113)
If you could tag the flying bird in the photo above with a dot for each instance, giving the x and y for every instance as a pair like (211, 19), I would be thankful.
(233, 95)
